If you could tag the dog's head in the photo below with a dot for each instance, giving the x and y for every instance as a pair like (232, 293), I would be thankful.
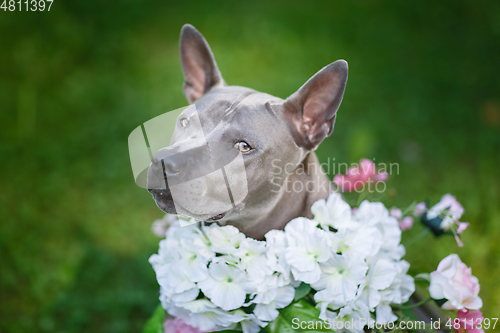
(232, 144)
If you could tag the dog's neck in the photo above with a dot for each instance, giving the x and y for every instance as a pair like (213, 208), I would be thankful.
(302, 188)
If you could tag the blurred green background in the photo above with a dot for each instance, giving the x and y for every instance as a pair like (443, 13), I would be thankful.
(75, 235)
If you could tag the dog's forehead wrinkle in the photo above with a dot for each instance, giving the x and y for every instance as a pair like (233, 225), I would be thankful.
(237, 101)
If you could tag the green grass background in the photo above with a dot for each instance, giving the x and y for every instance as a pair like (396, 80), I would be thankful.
(423, 91)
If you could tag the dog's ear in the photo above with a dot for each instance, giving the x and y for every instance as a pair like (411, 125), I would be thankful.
(198, 64)
(311, 110)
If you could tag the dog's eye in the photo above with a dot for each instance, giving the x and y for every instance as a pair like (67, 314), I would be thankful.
(243, 146)
(184, 122)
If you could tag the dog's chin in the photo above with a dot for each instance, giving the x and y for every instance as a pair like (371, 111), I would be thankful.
(205, 217)
(165, 202)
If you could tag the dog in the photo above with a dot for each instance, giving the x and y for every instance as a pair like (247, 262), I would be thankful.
(273, 141)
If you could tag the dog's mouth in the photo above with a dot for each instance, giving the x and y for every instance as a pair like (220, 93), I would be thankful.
(216, 217)
(164, 200)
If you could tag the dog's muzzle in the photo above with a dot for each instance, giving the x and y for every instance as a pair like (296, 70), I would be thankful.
(201, 179)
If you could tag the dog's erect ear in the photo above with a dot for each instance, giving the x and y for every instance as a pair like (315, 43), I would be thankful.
(311, 110)
(198, 64)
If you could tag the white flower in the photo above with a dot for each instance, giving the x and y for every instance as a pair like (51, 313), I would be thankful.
(340, 277)
(380, 276)
(404, 283)
(454, 281)
(162, 258)
(226, 286)
(253, 259)
(334, 212)
(307, 247)
(223, 239)
(266, 291)
(351, 318)
(387, 283)
(170, 274)
(252, 324)
(276, 245)
(398, 292)
(363, 241)
(177, 232)
(268, 311)
(385, 314)
(401, 288)
(174, 280)
(178, 239)
(449, 209)
(178, 264)
(391, 237)
(202, 314)
(182, 297)
(375, 214)
(385, 288)
(192, 263)
(249, 322)
(371, 213)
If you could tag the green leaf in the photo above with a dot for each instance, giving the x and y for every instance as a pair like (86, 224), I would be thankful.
(297, 315)
(301, 291)
(155, 323)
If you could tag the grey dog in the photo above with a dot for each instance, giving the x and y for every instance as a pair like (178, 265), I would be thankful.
(274, 139)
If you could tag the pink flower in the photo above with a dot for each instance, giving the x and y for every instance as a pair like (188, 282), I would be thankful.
(356, 177)
(346, 184)
(459, 242)
(449, 201)
(454, 281)
(449, 209)
(396, 212)
(177, 325)
(447, 212)
(406, 223)
(468, 321)
(381, 177)
(366, 169)
(420, 209)
(462, 226)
